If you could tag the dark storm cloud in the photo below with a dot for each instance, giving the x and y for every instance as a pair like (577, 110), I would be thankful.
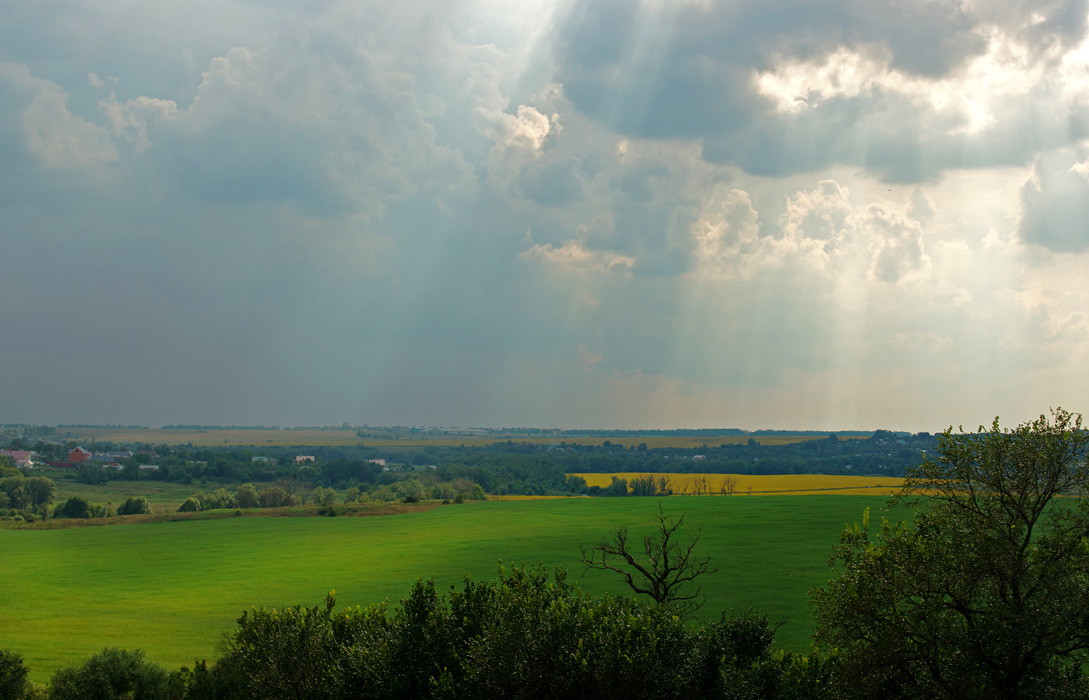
(686, 70)
(683, 69)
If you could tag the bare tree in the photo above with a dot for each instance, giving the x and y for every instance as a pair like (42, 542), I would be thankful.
(669, 567)
(728, 485)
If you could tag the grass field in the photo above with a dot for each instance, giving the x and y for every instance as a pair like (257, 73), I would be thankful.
(162, 495)
(284, 438)
(762, 485)
(173, 588)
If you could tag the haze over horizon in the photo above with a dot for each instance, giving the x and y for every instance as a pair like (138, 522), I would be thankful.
(647, 214)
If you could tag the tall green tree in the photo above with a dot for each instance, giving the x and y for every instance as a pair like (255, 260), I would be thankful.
(13, 682)
(111, 674)
(986, 593)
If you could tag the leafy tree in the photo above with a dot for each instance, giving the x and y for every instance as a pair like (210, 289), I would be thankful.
(189, 505)
(7, 467)
(617, 487)
(112, 674)
(74, 507)
(985, 595)
(13, 493)
(247, 497)
(13, 682)
(220, 498)
(276, 497)
(323, 496)
(669, 571)
(91, 474)
(41, 491)
(134, 505)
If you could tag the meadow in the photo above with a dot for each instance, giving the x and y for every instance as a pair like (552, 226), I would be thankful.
(173, 588)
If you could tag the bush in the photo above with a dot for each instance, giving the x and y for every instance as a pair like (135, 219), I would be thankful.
(112, 674)
(220, 498)
(74, 507)
(134, 505)
(189, 505)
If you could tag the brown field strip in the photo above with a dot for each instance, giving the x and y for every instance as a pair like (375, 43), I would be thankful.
(761, 484)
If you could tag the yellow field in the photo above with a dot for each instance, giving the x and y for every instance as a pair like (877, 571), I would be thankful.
(281, 438)
(756, 485)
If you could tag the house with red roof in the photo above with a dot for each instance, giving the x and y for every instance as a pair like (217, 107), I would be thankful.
(22, 458)
(78, 455)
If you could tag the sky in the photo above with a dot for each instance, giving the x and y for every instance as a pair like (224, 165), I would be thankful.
(852, 214)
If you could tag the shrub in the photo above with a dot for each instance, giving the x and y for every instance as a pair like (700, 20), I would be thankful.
(134, 505)
(112, 674)
(189, 505)
(74, 507)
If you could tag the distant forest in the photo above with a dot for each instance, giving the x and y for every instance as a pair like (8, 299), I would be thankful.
(506, 467)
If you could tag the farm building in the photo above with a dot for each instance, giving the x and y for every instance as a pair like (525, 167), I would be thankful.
(22, 458)
(78, 455)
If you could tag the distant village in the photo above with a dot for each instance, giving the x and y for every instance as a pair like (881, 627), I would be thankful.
(114, 459)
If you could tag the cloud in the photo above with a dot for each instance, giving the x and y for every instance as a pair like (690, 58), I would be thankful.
(727, 231)
(573, 256)
(55, 136)
(905, 90)
(348, 188)
(896, 243)
(1055, 204)
(526, 130)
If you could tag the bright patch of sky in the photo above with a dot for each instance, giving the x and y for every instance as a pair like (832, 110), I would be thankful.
(614, 213)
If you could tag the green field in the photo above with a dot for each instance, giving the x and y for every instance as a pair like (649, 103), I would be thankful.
(173, 588)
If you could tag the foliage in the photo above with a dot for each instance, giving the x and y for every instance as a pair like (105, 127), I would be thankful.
(520, 636)
(323, 496)
(134, 505)
(7, 467)
(247, 497)
(112, 674)
(669, 571)
(220, 498)
(74, 507)
(30, 495)
(189, 505)
(986, 594)
(276, 497)
(651, 485)
(91, 474)
(13, 682)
